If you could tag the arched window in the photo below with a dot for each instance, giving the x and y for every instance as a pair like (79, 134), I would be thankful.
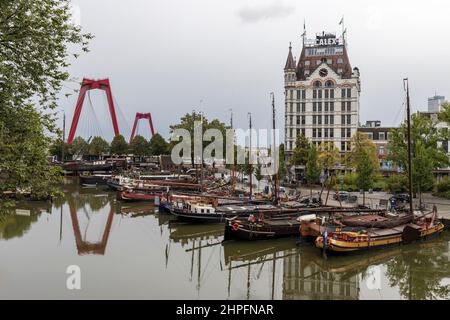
(317, 84)
(329, 84)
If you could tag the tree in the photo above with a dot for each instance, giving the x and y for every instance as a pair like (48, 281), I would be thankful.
(34, 40)
(363, 158)
(187, 123)
(312, 172)
(119, 146)
(158, 145)
(139, 147)
(98, 147)
(282, 170)
(426, 154)
(258, 173)
(301, 151)
(57, 147)
(78, 147)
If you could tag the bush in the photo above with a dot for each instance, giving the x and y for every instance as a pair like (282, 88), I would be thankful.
(397, 184)
(442, 186)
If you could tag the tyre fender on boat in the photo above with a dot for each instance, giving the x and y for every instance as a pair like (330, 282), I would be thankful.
(235, 226)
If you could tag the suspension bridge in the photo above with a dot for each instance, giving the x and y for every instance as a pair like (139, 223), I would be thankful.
(92, 123)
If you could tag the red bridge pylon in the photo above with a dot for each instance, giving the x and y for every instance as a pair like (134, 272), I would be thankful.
(138, 117)
(87, 85)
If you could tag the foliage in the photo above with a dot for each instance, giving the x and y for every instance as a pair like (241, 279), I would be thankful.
(328, 156)
(98, 147)
(187, 123)
(119, 146)
(34, 37)
(442, 188)
(57, 147)
(79, 146)
(282, 170)
(158, 145)
(313, 169)
(426, 154)
(397, 184)
(139, 147)
(300, 152)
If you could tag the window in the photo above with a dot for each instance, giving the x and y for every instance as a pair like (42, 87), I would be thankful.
(342, 132)
(298, 106)
(330, 61)
(331, 106)
(349, 93)
(349, 106)
(303, 120)
(291, 94)
(326, 93)
(298, 94)
(381, 136)
(307, 63)
(326, 106)
(290, 145)
(314, 119)
(343, 119)
(291, 120)
(326, 119)
(319, 119)
(303, 107)
(298, 120)
(342, 106)
(332, 93)
(303, 94)
(317, 84)
(319, 94)
(314, 133)
(303, 132)
(381, 150)
(370, 135)
(329, 84)
(298, 132)
(325, 133)
(319, 106)
(319, 133)
(292, 107)
(349, 119)
(314, 106)
(331, 131)
(314, 94)
(342, 146)
(331, 119)
(349, 132)
(389, 135)
(342, 93)
(340, 60)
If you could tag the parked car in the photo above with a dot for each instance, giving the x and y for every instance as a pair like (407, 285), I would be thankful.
(399, 201)
(345, 196)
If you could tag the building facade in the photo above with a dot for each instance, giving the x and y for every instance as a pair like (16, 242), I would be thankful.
(435, 103)
(321, 94)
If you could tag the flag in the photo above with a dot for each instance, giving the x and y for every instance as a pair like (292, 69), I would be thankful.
(342, 20)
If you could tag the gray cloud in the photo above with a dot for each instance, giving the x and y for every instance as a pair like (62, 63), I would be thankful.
(274, 10)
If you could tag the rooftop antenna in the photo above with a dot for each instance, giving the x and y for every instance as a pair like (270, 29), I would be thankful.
(304, 31)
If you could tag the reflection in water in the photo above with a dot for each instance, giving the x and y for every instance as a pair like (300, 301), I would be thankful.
(165, 259)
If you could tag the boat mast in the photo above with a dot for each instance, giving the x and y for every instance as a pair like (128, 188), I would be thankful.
(233, 168)
(275, 176)
(250, 156)
(63, 137)
(408, 121)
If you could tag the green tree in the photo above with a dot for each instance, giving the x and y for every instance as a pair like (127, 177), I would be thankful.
(139, 147)
(158, 145)
(313, 169)
(78, 147)
(98, 147)
(187, 123)
(57, 147)
(258, 173)
(426, 154)
(119, 146)
(282, 170)
(34, 40)
(363, 158)
(301, 150)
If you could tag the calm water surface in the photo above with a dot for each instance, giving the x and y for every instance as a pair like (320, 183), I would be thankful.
(130, 251)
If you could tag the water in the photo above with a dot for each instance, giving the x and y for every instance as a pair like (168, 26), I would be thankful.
(129, 251)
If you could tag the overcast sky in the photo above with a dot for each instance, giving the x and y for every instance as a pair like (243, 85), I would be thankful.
(169, 57)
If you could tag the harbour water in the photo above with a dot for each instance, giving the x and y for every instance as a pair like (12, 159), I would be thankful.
(130, 251)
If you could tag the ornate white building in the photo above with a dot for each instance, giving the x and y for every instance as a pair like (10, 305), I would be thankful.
(321, 94)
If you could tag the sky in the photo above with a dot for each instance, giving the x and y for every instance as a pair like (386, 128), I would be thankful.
(170, 57)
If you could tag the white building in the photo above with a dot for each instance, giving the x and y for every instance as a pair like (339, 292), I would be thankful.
(321, 94)
(435, 103)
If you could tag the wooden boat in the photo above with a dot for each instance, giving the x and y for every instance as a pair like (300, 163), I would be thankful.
(376, 221)
(95, 179)
(137, 195)
(254, 228)
(349, 241)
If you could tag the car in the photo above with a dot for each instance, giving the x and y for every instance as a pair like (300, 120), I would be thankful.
(342, 195)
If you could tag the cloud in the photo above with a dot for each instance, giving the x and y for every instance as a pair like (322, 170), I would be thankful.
(275, 10)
